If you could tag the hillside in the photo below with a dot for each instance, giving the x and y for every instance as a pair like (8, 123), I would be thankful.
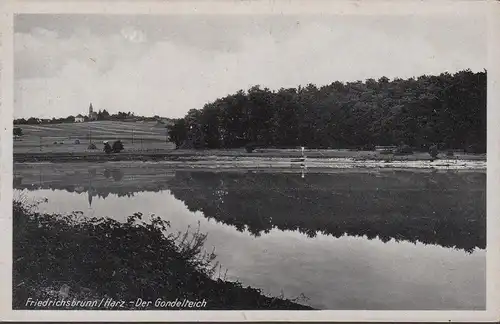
(136, 136)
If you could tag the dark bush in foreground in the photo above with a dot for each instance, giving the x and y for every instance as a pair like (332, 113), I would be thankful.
(73, 257)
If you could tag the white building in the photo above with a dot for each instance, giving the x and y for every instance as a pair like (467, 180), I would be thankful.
(79, 119)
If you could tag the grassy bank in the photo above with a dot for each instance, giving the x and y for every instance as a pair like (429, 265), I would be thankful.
(80, 259)
(235, 154)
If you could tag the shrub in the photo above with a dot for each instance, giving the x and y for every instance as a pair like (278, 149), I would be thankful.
(250, 147)
(92, 146)
(450, 153)
(107, 148)
(474, 149)
(77, 257)
(404, 150)
(77, 141)
(433, 151)
(18, 131)
(117, 146)
(368, 147)
(386, 152)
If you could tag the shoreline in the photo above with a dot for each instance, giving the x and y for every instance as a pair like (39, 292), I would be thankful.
(93, 241)
(319, 161)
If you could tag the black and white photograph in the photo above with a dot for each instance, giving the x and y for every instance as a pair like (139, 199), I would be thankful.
(255, 161)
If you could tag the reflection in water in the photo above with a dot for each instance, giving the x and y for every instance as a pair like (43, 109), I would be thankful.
(92, 172)
(362, 247)
(334, 273)
(116, 174)
(446, 209)
(342, 204)
(17, 181)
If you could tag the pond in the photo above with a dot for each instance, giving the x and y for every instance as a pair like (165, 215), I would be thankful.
(349, 239)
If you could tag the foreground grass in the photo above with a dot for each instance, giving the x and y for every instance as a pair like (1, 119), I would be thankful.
(73, 258)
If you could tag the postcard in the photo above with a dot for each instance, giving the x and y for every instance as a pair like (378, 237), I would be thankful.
(250, 160)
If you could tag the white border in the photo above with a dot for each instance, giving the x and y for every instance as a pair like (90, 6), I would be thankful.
(275, 7)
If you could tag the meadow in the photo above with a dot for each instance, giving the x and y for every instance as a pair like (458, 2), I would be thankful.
(54, 138)
(149, 141)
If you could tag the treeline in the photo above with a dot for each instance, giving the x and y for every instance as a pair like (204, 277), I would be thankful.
(448, 110)
(101, 115)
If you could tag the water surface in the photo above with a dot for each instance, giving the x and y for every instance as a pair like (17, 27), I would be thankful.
(346, 240)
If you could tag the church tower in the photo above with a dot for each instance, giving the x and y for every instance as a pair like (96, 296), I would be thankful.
(92, 113)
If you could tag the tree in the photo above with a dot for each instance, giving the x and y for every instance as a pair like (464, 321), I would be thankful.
(117, 146)
(107, 148)
(178, 132)
(18, 131)
(33, 121)
(103, 115)
(433, 151)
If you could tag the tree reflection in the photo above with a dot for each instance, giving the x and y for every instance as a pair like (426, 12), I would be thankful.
(115, 173)
(433, 208)
(443, 208)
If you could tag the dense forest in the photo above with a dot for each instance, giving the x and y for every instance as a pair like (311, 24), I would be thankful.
(448, 110)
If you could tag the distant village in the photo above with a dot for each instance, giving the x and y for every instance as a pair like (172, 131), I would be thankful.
(91, 116)
(94, 115)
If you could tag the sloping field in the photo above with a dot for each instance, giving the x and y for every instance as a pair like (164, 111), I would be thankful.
(80, 130)
(136, 136)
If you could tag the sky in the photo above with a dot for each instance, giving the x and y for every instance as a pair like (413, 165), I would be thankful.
(166, 65)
